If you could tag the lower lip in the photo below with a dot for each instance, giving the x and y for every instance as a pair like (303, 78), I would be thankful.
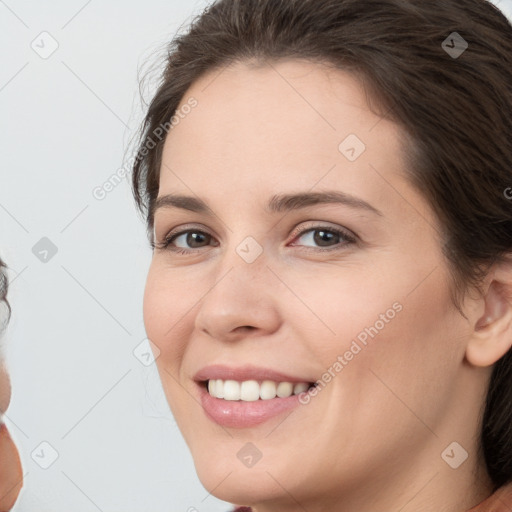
(241, 414)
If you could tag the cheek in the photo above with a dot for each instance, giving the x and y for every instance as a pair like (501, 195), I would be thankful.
(413, 359)
(159, 312)
(165, 310)
(396, 338)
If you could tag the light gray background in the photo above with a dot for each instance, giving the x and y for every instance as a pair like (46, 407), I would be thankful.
(77, 318)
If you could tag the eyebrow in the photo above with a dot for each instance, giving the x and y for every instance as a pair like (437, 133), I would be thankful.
(277, 204)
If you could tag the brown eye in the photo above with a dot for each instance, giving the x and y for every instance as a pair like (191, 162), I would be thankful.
(185, 241)
(324, 236)
(193, 239)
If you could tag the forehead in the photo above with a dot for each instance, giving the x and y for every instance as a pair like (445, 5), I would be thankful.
(286, 122)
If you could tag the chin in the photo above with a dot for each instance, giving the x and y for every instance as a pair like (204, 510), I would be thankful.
(241, 488)
(226, 477)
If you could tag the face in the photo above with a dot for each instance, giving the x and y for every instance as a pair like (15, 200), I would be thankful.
(10, 468)
(262, 293)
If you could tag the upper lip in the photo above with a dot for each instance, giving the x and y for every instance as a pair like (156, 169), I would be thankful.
(242, 373)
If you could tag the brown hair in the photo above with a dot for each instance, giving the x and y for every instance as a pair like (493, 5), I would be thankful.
(455, 109)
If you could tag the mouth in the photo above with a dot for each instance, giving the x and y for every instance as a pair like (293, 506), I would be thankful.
(253, 390)
(248, 396)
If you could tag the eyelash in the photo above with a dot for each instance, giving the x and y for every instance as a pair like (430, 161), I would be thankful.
(349, 239)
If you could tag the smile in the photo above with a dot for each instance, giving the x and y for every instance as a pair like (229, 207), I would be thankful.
(252, 390)
(247, 396)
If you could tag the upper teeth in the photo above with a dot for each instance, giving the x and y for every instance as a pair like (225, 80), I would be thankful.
(252, 390)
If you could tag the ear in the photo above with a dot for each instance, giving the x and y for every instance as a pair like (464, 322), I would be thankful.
(491, 338)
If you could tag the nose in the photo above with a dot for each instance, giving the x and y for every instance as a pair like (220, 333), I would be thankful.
(241, 302)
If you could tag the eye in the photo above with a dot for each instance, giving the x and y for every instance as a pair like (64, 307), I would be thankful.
(192, 238)
(326, 236)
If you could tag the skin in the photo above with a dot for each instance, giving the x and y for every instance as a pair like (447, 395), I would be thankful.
(11, 479)
(372, 438)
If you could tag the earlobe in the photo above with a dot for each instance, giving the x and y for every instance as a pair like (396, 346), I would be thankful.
(491, 338)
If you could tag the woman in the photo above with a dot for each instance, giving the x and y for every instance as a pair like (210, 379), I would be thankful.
(11, 479)
(331, 284)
